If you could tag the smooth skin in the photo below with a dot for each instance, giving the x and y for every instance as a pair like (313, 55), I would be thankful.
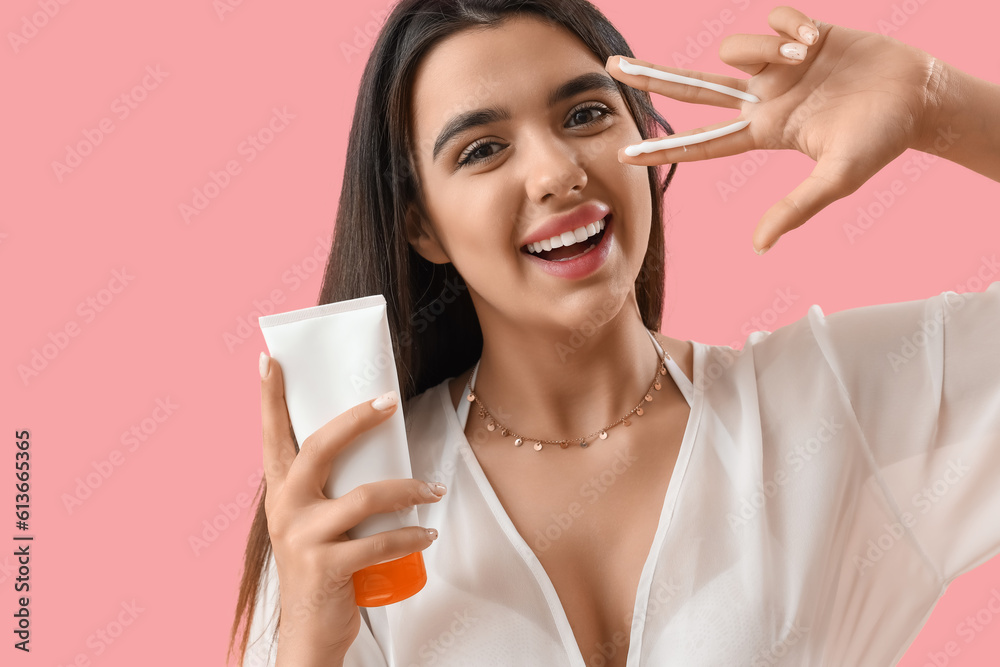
(315, 558)
(854, 104)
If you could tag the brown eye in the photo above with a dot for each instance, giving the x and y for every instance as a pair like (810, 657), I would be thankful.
(479, 151)
(588, 114)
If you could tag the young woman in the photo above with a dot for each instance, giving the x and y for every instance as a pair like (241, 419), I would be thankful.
(621, 497)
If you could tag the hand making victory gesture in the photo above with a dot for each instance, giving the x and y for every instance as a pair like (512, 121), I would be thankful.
(851, 100)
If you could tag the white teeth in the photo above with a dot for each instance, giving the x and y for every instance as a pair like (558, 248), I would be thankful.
(578, 235)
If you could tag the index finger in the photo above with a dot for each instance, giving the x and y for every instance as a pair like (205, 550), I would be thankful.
(317, 452)
(683, 85)
(279, 441)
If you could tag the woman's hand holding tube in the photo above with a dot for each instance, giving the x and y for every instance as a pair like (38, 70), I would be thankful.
(854, 102)
(315, 558)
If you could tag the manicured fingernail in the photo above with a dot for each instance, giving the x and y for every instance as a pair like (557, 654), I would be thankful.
(386, 400)
(793, 51)
(431, 533)
(264, 364)
(432, 490)
(808, 34)
(767, 247)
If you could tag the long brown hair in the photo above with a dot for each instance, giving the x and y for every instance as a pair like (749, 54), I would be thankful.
(433, 324)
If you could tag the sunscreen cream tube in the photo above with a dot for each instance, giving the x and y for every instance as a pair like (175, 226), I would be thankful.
(333, 357)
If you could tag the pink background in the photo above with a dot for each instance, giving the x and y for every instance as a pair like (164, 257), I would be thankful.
(161, 337)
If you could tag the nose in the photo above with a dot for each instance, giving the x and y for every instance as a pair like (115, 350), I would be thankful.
(555, 170)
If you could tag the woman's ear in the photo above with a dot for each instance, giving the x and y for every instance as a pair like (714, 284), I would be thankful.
(421, 236)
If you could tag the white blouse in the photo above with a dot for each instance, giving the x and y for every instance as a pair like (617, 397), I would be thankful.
(834, 477)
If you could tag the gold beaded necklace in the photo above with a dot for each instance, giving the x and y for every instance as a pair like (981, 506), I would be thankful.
(584, 441)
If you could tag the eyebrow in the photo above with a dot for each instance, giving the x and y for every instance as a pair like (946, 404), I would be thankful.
(470, 119)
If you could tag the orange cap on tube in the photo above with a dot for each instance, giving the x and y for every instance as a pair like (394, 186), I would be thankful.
(392, 581)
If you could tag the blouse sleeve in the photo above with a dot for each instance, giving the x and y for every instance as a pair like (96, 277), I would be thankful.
(923, 379)
(262, 643)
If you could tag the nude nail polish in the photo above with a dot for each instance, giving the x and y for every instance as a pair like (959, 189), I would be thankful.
(793, 51)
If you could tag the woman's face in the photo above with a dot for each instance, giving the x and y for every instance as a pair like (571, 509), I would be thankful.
(528, 150)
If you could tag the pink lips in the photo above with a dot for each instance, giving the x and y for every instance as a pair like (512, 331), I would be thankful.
(585, 264)
(581, 216)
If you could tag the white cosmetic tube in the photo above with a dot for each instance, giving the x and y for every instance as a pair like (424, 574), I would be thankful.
(333, 357)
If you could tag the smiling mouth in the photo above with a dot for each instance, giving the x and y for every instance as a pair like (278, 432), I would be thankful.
(573, 250)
